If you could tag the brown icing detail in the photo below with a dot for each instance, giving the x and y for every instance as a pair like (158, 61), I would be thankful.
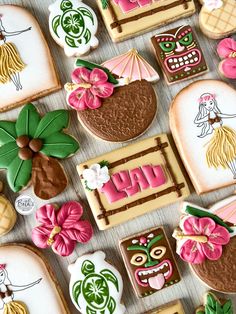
(125, 115)
(220, 275)
(48, 177)
(25, 153)
(217, 119)
(114, 17)
(35, 144)
(2, 37)
(22, 141)
(118, 23)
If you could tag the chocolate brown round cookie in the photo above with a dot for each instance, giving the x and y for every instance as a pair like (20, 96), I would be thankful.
(125, 115)
(220, 275)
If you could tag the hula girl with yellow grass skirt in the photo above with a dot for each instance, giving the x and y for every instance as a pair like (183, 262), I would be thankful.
(221, 149)
(10, 61)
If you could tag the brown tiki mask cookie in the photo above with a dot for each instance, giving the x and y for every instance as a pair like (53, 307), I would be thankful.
(179, 54)
(149, 261)
(174, 307)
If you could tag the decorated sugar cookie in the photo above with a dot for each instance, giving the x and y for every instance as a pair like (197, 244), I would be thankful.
(226, 50)
(203, 124)
(129, 18)
(30, 149)
(174, 307)
(206, 239)
(179, 54)
(24, 276)
(73, 25)
(215, 306)
(61, 229)
(26, 71)
(95, 285)
(110, 109)
(132, 181)
(149, 261)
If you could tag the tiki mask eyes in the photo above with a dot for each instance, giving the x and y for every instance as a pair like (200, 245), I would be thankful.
(167, 46)
(158, 252)
(186, 40)
(138, 259)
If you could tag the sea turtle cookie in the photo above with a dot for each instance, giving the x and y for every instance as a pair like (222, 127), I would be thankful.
(7, 214)
(214, 305)
(26, 66)
(132, 181)
(110, 109)
(129, 18)
(174, 307)
(217, 18)
(179, 54)
(30, 148)
(226, 50)
(203, 124)
(73, 25)
(149, 261)
(206, 239)
(95, 285)
(24, 276)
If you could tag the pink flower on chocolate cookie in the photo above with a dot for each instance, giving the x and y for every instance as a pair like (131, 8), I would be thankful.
(61, 229)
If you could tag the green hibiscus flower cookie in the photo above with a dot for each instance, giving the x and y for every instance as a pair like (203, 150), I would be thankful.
(212, 305)
(95, 285)
(30, 147)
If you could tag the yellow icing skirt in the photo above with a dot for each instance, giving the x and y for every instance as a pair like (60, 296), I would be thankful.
(221, 149)
(10, 62)
(15, 307)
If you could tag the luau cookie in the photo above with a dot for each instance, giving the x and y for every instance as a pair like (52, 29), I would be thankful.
(24, 276)
(26, 70)
(73, 25)
(206, 239)
(128, 18)
(7, 214)
(174, 307)
(149, 261)
(61, 229)
(132, 181)
(179, 54)
(213, 305)
(110, 109)
(203, 124)
(217, 18)
(30, 147)
(226, 50)
(95, 285)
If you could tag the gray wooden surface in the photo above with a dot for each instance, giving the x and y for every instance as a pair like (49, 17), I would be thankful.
(190, 290)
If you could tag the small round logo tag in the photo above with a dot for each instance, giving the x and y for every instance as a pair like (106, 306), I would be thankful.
(24, 204)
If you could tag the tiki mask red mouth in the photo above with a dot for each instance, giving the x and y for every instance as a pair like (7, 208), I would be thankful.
(184, 61)
(154, 276)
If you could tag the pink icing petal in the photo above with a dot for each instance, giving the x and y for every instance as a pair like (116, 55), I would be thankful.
(98, 76)
(81, 232)
(226, 47)
(228, 68)
(69, 214)
(219, 235)
(103, 90)
(76, 99)
(92, 101)
(80, 75)
(191, 252)
(191, 226)
(206, 225)
(47, 215)
(40, 236)
(63, 245)
(212, 251)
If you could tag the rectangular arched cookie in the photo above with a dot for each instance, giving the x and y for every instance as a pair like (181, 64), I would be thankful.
(174, 307)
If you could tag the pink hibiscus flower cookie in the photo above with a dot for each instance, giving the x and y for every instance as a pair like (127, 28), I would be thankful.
(206, 239)
(226, 50)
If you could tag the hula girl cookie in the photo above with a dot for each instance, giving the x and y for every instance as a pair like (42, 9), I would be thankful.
(174, 307)
(24, 276)
(206, 239)
(213, 305)
(203, 124)
(149, 261)
(132, 181)
(30, 147)
(110, 109)
(73, 25)
(95, 285)
(226, 50)
(26, 70)
(179, 54)
(129, 18)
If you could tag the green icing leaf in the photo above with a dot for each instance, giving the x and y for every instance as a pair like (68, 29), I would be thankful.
(59, 145)
(104, 163)
(87, 35)
(228, 307)
(105, 4)
(154, 240)
(87, 13)
(27, 121)
(70, 42)
(52, 122)
(7, 132)
(56, 23)
(87, 267)
(110, 277)
(8, 152)
(200, 312)
(19, 173)
(111, 305)
(211, 301)
(90, 311)
(76, 290)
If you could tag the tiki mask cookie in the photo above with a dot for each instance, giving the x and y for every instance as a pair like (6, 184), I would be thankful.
(213, 305)
(30, 147)
(226, 50)
(61, 229)
(149, 261)
(217, 19)
(24, 276)
(174, 307)
(95, 285)
(110, 109)
(132, 181)
(26, 70)
(128, 18)
(73, 25)
(206, 239)
(203, 124)
(179, 54)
